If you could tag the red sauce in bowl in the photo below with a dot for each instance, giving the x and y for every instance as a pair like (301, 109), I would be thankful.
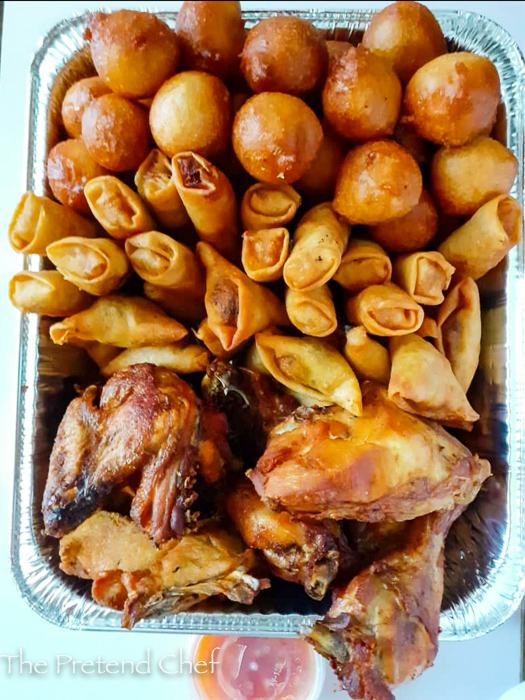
(254, 668)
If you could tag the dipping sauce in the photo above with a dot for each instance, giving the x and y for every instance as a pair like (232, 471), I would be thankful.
(253, 668)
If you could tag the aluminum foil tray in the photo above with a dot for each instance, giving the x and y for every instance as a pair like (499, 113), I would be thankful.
(485, 561)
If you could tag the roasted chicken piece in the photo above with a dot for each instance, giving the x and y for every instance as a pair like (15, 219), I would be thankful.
(254, 403)
(145, 424)
(382, 628)
(383, 465)
(129, 573)
(303, 551)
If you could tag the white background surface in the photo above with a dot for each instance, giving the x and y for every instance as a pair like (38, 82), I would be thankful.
(481, 669)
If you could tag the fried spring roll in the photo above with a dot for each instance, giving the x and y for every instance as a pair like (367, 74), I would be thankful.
(180, 357)
(385, 309)
(183, 304)
(481, 243)
(422, 382)
(459, 323)
(313, 312)
(368, 358)
(205, 334)
(209, 199)
(429, 329)
(268, 206)
(424, 275)
(312, 368)
(264, 253)
(46, 293)
(95, 265)
(253, 360)
(118, 209)
(155, 185)
(38, 221)
(100, 354)
(237, 307)
(125, 322)
(364, 263)
(164, 262)
(319, 242)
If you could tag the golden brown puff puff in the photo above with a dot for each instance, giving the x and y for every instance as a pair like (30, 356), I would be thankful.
(69, 167)
(284, 54)
(407, 34)
(191, 112)
(362, 95)
(76, 99)
(465, 178)
(410, 232)
(378, 181)
(134, 52)
(116, 132)
(211, 36)
(276, 137)
(453, 98)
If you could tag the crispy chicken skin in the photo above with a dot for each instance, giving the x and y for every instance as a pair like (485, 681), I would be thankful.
(145, 423)
(303, 551)
(382, 628)
(129, 573)
(254, 404)
(383, 465)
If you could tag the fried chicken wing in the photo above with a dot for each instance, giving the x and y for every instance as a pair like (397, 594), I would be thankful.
(382, 628)
(129, 573)
(145, 423)
(302, 551)
(383, 465)
(254, 403)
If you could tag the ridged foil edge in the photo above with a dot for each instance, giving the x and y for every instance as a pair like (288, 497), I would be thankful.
(36, 575)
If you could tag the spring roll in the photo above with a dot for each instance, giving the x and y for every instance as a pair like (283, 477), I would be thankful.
(385, 309)
(125, 322)
(100, 354)
(118, 209)
(313, 312)
(155, 186)
(210, 201)
(237, 307)
(319, 242)
(253, 360)
(264, 253)
(481, 243)
(95, 265)
(205, 334)
(459, 323)
(368, 358)
(164, 262)
(311, 368)
(268, 206)
(423, 275)
(364, 263)
(429, 329)
(422, 382)
(46, 293)
(38, 221)
(183, 304)
(180, 357)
